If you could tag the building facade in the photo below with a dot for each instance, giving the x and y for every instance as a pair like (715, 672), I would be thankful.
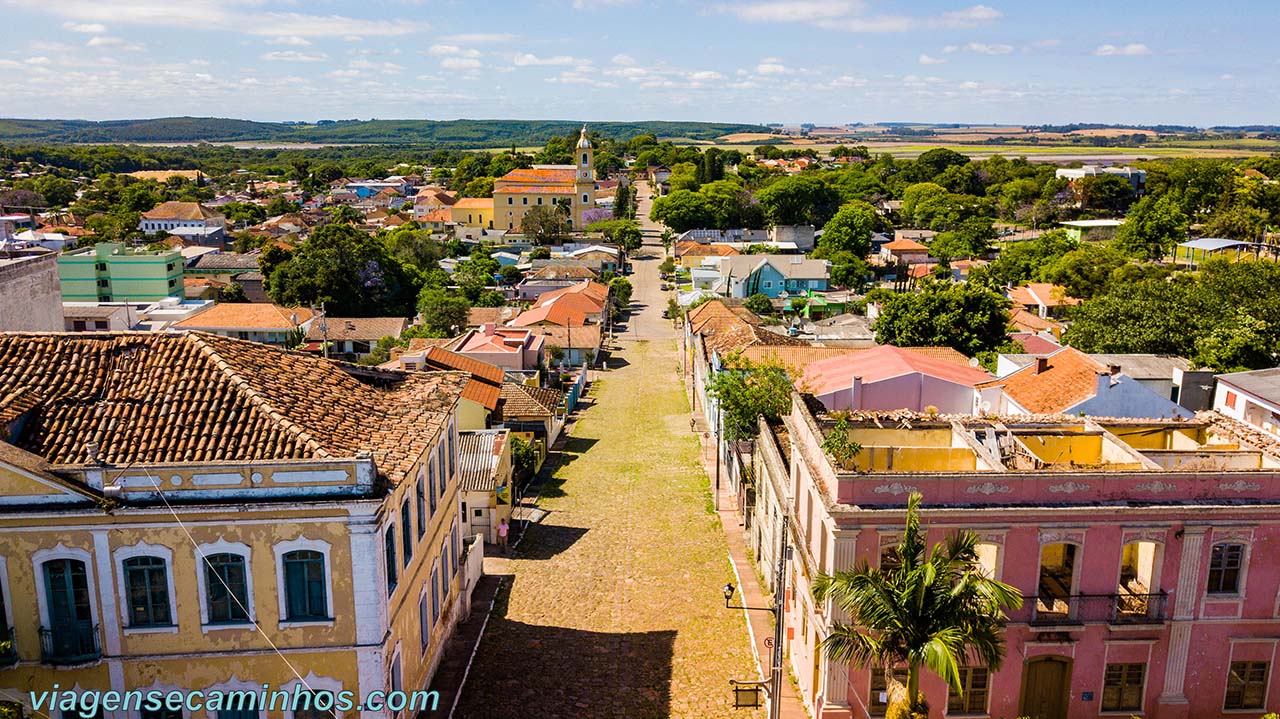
(30, 293)
(570, 186)
(110, 272)
(1140, 546)
(318, 545)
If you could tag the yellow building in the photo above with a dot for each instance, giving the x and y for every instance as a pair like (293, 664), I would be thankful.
(572, 186)
(473, 212)
(193, 512)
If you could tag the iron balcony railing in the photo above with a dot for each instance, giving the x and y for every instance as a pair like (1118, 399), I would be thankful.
(71, 643)
(8, 646)
(1121, 608)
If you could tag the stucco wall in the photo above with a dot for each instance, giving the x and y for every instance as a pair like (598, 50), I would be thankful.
(31, 295)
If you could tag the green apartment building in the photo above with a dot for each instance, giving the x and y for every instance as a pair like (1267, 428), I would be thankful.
(109, 272)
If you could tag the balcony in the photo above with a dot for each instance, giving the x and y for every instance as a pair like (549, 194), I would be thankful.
(1115, 609)
(8, 647)
(71, 643)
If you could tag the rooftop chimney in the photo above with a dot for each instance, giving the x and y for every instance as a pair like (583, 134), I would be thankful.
(1104, 382)
(1113, 369)
(489, 328)
(1042, 364)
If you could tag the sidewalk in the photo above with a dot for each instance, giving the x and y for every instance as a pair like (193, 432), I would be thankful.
(750, 593)
(453, 668)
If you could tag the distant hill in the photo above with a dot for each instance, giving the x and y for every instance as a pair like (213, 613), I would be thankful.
(443, 133)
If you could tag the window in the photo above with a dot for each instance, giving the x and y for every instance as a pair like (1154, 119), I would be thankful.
(226, 587)
(524, 200)
(443, 474)
(78, 325)
(100, 324)
(585, 199)
(100, 267)
(988, 559)
(162, 713)
(147, 585)
(444, 566)
(510, 201)
(1224, 568)
(431, 484)
(879, 701)
(539, 200)
(973, 697)
(237, 714)
(406, 531)
(1231, 399)
(585, 160)
(453, 449)
(453, 547)
(424, 622)
(422, 506)
(1246, 686)
(314, 705)
(1122, 687)
(390, 549)
(435, 595)
(104, 283)
(305, 586)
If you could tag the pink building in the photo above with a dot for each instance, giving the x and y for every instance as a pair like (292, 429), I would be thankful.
(1140, 546)
(888, 378)
(511, 348)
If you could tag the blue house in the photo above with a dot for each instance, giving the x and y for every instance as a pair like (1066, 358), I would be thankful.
(772, 275)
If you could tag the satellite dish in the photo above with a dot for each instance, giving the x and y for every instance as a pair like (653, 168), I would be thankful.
(973, 361)
(986, 406)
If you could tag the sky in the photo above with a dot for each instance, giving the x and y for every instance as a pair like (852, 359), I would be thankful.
(787, 61)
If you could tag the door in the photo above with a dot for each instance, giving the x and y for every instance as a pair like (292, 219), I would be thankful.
(70, 617)
(481, 523)
(1046, 683)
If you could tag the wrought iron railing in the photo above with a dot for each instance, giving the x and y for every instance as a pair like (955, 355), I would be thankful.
(71, 643)
(8, 646)
(1119, 608)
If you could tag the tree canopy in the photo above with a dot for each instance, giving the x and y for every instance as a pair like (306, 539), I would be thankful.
(968, 317)
(352, 273)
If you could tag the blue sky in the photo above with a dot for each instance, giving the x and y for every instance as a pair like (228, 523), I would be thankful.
(823, 61)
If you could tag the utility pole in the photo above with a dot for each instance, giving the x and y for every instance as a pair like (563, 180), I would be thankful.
(779, 620)
(719, 429)
(324, 331)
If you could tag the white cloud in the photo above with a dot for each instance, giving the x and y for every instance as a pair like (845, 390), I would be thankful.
(217, 15)
(478, 38)
(621, 59)
(970, 16)
(597, 4)
(114, 43)
(1226, 76)
(362, 64)
(529, 60)
(792, 10)
(705, 76)
(1132, 49)
(771, 66)
(980, 48)
(848, 81)
(460, 63)
(292, 40)
(443, 50)
(200, 63)
(91, 28)
(869, 24)
(294, 56)
(929, 60)
(39, 60)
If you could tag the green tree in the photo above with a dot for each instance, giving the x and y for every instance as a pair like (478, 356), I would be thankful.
(57, 191)
(620, 288)
(967, 317)
(540, 253)
(1240, 343)
(442, 313)
(1106, 193)
(1152, 229)
(681, 210)
(798, 200)
(1240, 222)
(1085, 271)
(1022, 261)
(511, 275)
(932, 163)
(545, 225)
(849, 230)
(927, 609)
(748, 391)
(759, 303)
(280, 206)
(479, 187)
(349, 271)
(346, 214)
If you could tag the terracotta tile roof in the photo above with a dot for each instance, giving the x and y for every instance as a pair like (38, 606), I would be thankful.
(534, 190)
(1035, 344)
(174, 210)
(503, 339)
(228, 261)
(519, 400)
(431, 196)
(538, 176)
(1030, 321)
(497, 315)
(700, 250)
(904, 245)
(245, 316)
(594, 290)
(578, 301)
(363, 329)
(945, 354)
(474, 203)
(881, 363)
(486, 379)
(561, 272)
(795, 359)
(556, 313)
(440, 215)
(581, 338)
(1070, 378)
(1041, 293)
(478, 456)
(418, 344)
(196, 397)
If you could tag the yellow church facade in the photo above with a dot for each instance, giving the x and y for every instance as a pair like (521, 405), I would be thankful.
(186, 512)
(570, 186)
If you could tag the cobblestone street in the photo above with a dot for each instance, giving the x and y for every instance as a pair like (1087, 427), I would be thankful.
(615, 608)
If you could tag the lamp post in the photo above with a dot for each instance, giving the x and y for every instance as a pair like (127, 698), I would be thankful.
(779, 620)
(719, 429)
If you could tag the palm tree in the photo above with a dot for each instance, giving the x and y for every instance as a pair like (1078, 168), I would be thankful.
(934, 610)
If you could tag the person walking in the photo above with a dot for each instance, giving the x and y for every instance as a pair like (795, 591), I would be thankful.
(503, 530)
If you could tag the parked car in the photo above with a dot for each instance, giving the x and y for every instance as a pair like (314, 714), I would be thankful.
(665, 287)
(666, 314)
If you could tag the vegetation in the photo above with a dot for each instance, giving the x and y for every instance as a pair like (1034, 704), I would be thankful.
(748, 391)
(969, 317)
(348, 271)
(759, 303)
(932, 609)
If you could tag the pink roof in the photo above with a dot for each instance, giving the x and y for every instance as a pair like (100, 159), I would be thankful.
(881, 363)
(1035, 344)
(499, 339)
(553, 312)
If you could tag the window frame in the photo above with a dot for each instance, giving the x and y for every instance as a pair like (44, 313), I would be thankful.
(202, 562)
(1266, 682)
(406, 532)
(420, 496)
(316, 684)
(61, 551)
(967, 674)
(142, 549)
(302, 544)
(390, 565)
(874, 707)
(1240, 570)
(1121, 707)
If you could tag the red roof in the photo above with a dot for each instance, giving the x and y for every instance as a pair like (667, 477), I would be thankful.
(539, 176)
(1068, 378)
(881, 363)
(905, 245)
(553, 312)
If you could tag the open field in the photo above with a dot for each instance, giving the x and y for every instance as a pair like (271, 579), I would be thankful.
(1225, 149)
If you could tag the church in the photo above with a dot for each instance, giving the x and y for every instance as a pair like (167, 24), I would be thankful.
(570, 185)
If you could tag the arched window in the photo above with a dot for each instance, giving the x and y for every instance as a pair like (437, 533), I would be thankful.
(305, 586)
(147, 587)
(227, 588)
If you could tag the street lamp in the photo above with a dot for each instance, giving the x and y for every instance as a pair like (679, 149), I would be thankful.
(728, 593)
(779, 619)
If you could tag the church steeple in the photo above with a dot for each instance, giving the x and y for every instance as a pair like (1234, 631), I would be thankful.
(586, 158)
